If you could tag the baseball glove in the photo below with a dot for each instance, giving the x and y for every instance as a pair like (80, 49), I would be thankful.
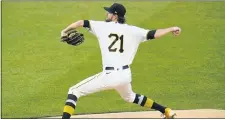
(73, 38)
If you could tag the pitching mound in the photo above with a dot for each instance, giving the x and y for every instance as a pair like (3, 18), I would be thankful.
(199, 113)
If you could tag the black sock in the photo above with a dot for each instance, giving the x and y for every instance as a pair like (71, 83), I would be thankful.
(158, 107)
(66, 115)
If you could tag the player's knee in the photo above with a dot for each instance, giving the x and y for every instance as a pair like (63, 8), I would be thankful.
(74, 91)
(129, 98)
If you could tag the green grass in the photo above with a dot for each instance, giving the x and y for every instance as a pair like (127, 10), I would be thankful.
(185, 72)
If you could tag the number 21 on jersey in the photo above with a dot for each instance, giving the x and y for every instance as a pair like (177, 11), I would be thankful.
(116, 38)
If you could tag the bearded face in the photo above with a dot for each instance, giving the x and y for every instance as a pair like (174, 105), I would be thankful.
(109, 17)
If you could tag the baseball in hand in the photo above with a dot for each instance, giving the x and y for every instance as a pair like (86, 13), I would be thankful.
(176, 31)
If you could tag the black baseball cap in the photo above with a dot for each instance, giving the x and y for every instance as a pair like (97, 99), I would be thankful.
(116, 8)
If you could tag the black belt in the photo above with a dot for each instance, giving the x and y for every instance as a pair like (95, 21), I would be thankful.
(112, 68)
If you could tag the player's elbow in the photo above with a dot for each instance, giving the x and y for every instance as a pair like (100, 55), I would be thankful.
(157, 36)
(80, 23)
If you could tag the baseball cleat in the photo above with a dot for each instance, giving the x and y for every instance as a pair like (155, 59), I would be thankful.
(169, 114)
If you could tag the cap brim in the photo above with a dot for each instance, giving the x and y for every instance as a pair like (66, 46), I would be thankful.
(108, 9)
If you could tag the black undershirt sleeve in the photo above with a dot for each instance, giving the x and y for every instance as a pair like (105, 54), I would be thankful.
(86, 24)
(151, 34)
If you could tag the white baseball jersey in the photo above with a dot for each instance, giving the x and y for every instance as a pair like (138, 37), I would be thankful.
(118, 42)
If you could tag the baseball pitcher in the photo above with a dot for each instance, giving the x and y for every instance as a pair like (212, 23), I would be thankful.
(118, 43)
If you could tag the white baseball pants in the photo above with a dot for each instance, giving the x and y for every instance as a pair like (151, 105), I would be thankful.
(119, 80)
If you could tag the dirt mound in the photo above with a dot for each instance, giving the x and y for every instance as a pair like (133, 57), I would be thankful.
(199, 113)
